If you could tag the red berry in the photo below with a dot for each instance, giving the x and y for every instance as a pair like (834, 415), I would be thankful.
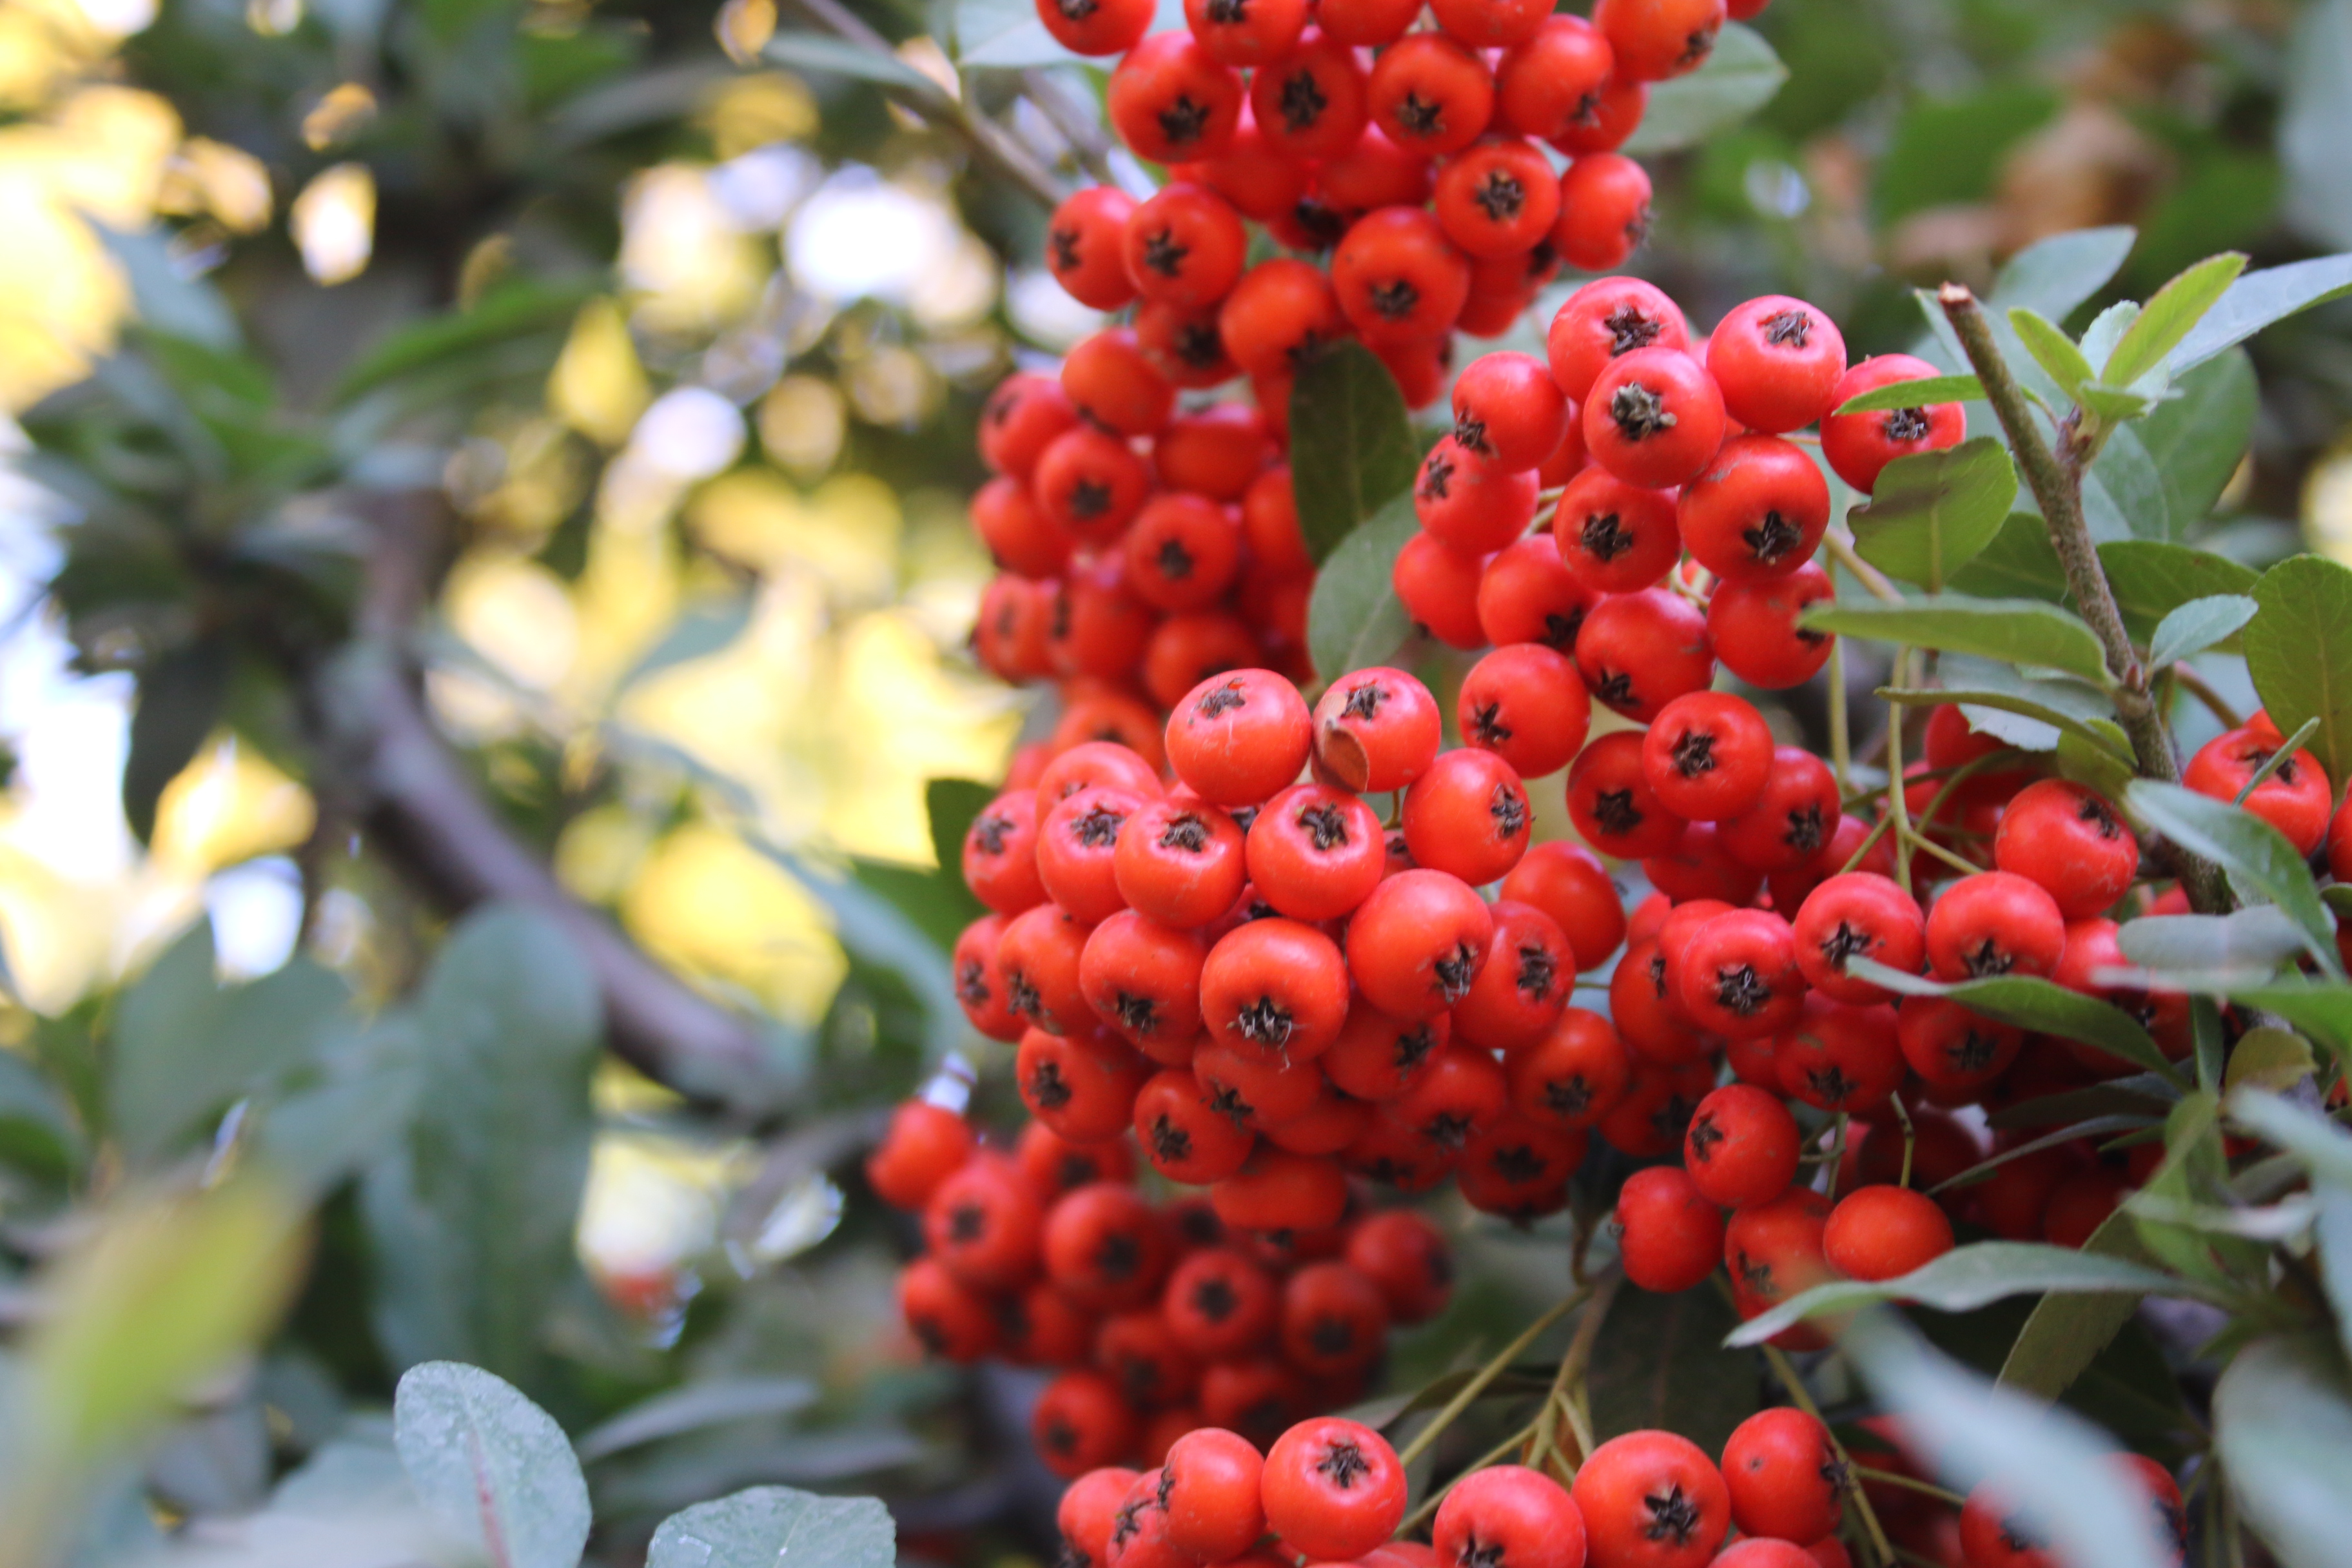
(1417, 943)
(1737, 976)
(983, 1224)
(1171, 101)
(1839, 1057)
(925, 1145)
(1858, 446)
(1653, 418)
(1179, 861)
(1742, 1146)
(1333, 1488)
(1219, 1304)
(1641, 651)
(1522, 985)
(2067, 839)
(1708, 757)
(1754, 623)
(1315, 851)
(1614, 537)
(1574, 1075)
(1037, 959)
(1758, 509)
(1507, 1516)
(1113, 383)
(1237, 738)
(1376, 730)
(1397, 278)
(2294, 799)
(1655, 40)
(1314, 103)
(1952, 1048)
(1024, 414)
(1604, 211)
(1469, 814)
(1651, 1500)
(1784, 1476)
(1430, 94)
(1778, 361)
(1407, 1258)
(1277, 1189)
(1087, 1514)
(1081, 1423)
(1209, 1489)
(1275, 987)
(1377, 1057)
(1509, 410)
(1498, 197)
(1553, 77)
(1883, 1232)
(1471, 503)
(1670, 1234)
(1084, 243)
(1602, 321)
(952, 1318)
(1774, 1248)
(1995, 922)
(1528, 705)
(1858, 915)
(1100, 29)
(1439, 588)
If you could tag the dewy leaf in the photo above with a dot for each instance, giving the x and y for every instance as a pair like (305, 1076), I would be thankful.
(2051, 349)
(2168, 318)
(1351, 445)
(2256, 855)
(1916, 393)
(2283, 1423)
(768, 1526)
(1932, 512)
(2055, 1471)
(2197, 625)
(1660, 1361)
(2066, 1332)
(491, 1464)
(2299, 652)
(1965, 1278)
(2259, 299)
(1353, 617)
(2057, 275)
(2032, 1002)
(2021, 631)
(1739, 77)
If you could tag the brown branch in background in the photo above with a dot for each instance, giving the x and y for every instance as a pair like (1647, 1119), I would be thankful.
(381, 756)
(2056, 479)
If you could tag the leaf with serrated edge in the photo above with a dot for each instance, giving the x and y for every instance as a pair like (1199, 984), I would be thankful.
(2197, 625)
(2021, 631)
(2169, 316)
(1919, 394)
(1931, 512)
(491, 1464)
(2032, 1002)
(2299, 652)
(2253, 851)
(767, 1526)
(1966, 1278)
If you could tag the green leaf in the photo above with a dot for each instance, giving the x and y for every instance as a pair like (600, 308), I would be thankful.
(769, 1525)
(1351, 445)
(2334, 1234)
(2123, 495)
(1354, 618)
(1932, 512)
(2112, 405)
(2256, 855)
(180, 699)
(2068, 708)
(698, 632)
(2196, 436)
(2104, 764)
(694, 1407)
(2321, 1010)
(1948, 148)
(2106, 330)
(2323, 1145)
(1966, 1278)
(2017, 563)
(165, 295)
(2021, 631)
(2258, 939)
(953, 805)
(1916, 393)
(2055, 1469)
(2053, 350)
(2057, 275)
(2169, 316)
(1739, 77)
(2197, 626)
(876, 933)
(2299, 652)
(817, 51)
(1660, 1361)
(2283, 1423)
(2316, 122)
(506, 312)
(2258, 300)
(491, 1464)
(2152, 578)
(2032, 1002)
(473, 1218)
(2270, 1058)
(2066, 1332)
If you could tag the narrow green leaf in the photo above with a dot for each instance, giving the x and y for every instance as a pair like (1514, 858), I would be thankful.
(2299, 652)
(818, 52)
(1919, 394)
(2256, 301)
(2089, 1127)
(766, 1526)
(491, 1464)
(2060, 723)
(2323, 1146)
(2334, 1234)
(2066, 1331)
(2197, 625)
(2254, 853)
(1933, 511)
(952, 804)
(2112, 405)
(2196, 436)
(1354, 619)
(2106, 330)
(2171, 316)
(1966, 1278)
(2017, 563)
(1740, 76)
(505, 313)
(2257, 939)
(2032, 1002)
(2283, 1423)
(1351, 445)
(2055, 276)
(2021, 631)
(2318, 1009)
(2153, 577)
(2103, 764)
(2051, 349)
(180, 699)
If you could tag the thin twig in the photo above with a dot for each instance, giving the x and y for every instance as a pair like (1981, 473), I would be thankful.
(1419, 1516)
(1841, 731)
(1074, 122)
(1486, 1375)
(1840, 548)
(2197, 686)
(1899, 807)
(1782, 1369)
(1909, 1483)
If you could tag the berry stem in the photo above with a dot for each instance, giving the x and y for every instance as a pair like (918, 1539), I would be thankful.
(1420, 1516)
(1909, 1483)
(1898, 809)
(1840, 544)
(1486, 1375)
(1910, 1138)
(2197, 686)
(1778, 1359)
(1841, 732)
(2056, 479)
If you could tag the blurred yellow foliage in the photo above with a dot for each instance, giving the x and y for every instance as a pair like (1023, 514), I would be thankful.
(2327, 504)
(802, 424)
(719, 911)
(682, 253)
(598, 386)
(338, 116)
(228, 805)
(516, 614)
(846, 533)
(228, 182)
(333, 221)
(758, 110)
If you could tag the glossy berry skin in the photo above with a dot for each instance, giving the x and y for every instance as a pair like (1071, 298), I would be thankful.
(1089, 482)
(1606, 319)
(1220, 1304)
(1019, 537)
(1082, 1086)
(1574, 1075)
(1098, 29)
(1183, 552)
(1498, 197)
(1037, 959)
(1469, 814)
(1430, 94)
(1528, 705)
(1523, 984)
(1021, 418)
(1839, 1058)
(2068, 839)
(1995, 922)
(1507, 1516)
(1706, 756)
(1142, 979)
(1086, 1514)
(1105, 1248)
(1796, 814)
(1737, 975)
(1333, 1488)
(1858, 446)
(953, 1320)
(1315, 851)
(1184, 246)
(1183, 1134)
(1092, 764)
(1172, 102)
(1417, 943)
(1509, 410)
(1471, 503)
(1614, 537)
(1858, 914)
(1604, 211)
(1784, 1476)
(1653, 418)
(1762, 1551)
(1882, 1232)
(1570, 884)
(1398, 279)
(1237, 738)
(1179, 861)
(924, 1146)
(1774, 1248)
(1953, 1049)
(1113, 384)
(1334, 1320)
(1377, 1057)
(1075, 843)
(1081, 1423)
(1778, 361)
(1655, 40)
(1281, 310)
(1742, 1146)
(1439, 588)
(1640, 651)
(1553, 77)
(1000, 854)
(1407, 1258)
(1275, 987)
(1376, 730)
(983, 1226)
(1209, 1483)
(2294, 799)
(1757, 509)
(1612, 803)
(979, 980)
(1058, 1167)
(1697, 868)
(1526, 593)
(1651, 1500)
(1755, 625)
(1669, 1232)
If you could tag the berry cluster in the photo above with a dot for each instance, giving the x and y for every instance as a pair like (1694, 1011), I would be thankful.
(1159, 1319)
